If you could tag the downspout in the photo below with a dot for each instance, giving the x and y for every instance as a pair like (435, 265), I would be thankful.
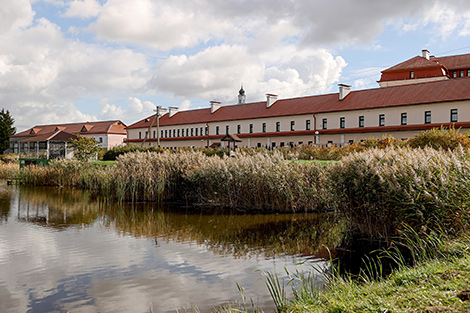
(207, 126)
(314, 129)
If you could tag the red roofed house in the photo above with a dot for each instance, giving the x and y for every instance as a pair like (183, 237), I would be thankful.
(50, 141)
(421, 93)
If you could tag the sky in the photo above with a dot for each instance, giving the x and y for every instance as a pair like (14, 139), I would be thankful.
(65, 61)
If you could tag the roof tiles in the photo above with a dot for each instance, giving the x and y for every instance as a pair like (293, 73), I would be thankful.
(104, 127)
(431, 92)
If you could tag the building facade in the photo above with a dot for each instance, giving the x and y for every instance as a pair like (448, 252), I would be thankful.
(409, 100)
(33, 142)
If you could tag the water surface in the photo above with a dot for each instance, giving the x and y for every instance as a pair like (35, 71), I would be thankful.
(61, 250)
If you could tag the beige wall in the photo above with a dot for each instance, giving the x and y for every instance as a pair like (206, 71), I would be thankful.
(440, 113)
(108, 141)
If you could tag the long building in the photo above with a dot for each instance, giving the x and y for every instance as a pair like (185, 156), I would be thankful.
(418, 94)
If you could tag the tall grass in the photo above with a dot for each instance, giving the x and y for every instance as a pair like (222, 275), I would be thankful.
(260, 181)
(382, 188)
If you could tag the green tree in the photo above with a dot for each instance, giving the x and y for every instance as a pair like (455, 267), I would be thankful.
(6, 129)
(85, 148)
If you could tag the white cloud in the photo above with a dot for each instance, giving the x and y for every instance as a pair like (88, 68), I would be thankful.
(217, 72)
(15, 14)
(83, 9)
(138, 106)
(185, 105)
(40, 67)
(160, 24)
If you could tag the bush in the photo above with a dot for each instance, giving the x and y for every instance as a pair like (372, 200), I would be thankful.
(440, 138)
(113, 153)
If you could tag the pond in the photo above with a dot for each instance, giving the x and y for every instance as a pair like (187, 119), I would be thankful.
(62, 250)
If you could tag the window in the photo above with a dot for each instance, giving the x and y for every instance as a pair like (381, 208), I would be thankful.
(202, 130)
(187, 132)
(324, 123)
(217, 130)
(192, 132)
(227, 129)
(259, 145)
(101, 139)
(174, 132)
(301, 143)
(197, 130)
(427, 117)
(278, 126)
(161, 134)
(382, 120)
(140, 135)
(310, 143)
(292, 125)
(251, 128)
(454, 74)
(273, 144)
(404, 119)
(468, 73)
(342, 122)
(207, 130)
(307, 125)
(453, 115)
(146, 134)
(412, 74)
(282, 143)
(361, 121)
(166, 133)
(462, 73)
(351, 141)
(239, 129)
(264, 127)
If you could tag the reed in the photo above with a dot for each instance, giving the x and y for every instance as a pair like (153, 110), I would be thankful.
(381, 189)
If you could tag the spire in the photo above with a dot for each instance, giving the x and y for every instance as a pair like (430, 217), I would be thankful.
(241, 95)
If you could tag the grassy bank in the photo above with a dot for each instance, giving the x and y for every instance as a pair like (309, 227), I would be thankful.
(436, 279)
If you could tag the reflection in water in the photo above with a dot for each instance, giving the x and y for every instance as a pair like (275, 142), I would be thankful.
(68, 252)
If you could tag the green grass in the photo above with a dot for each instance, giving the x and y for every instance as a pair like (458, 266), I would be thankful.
(432, 286)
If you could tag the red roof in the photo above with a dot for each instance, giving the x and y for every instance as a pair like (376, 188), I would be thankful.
(412, 64)
(455, 62)
(105, 127)
(59, 135)
(431, 92)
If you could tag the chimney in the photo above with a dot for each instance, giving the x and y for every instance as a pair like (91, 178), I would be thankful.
(173, 111)
(343, 91)
(426, 54)
(215, 105)
(270, 99)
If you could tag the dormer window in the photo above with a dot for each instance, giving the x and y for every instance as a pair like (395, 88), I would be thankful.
(83, 129)
(412, 74)
(34, 130)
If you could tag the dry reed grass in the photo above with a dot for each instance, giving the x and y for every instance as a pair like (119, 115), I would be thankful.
(380, 190)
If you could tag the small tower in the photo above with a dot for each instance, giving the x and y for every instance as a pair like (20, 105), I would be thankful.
(241, 96)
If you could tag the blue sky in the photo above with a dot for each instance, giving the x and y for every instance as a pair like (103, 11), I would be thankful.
(83, 60)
